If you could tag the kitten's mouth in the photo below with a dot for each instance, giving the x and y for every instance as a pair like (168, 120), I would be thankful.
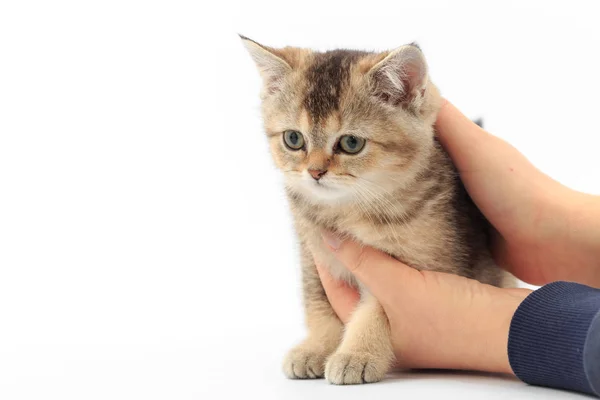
(328, 188)
(319, 187)
(320, 184)
(323, 190)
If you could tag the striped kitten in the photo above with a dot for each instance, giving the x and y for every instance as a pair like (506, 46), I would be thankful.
(353, 133)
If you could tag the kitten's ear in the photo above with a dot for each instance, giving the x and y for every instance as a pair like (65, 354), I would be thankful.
(401, 77)
(272, 68)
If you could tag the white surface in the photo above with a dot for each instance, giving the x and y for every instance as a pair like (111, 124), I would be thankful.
(145, 245)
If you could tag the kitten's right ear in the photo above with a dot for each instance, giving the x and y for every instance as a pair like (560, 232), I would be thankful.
(400, 79)
(272, 68)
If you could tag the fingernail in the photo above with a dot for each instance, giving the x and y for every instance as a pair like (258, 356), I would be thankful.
(332, 241)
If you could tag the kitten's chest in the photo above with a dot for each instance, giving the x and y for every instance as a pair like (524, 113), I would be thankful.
(419, 242)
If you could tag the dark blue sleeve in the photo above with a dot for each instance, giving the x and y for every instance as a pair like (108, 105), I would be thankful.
(554, 338)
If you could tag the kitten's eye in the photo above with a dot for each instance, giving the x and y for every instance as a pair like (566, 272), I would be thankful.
(293, 139)
(351, 144)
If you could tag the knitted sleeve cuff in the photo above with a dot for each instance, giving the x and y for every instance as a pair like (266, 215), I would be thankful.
(554, 338)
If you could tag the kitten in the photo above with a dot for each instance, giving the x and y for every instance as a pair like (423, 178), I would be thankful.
(353, 133)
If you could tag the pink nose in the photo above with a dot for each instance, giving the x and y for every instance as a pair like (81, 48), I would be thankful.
(317, 173)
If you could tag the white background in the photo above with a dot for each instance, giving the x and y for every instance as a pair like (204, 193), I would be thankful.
(145, 244)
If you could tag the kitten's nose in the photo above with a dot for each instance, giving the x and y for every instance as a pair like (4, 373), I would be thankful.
(317, 173)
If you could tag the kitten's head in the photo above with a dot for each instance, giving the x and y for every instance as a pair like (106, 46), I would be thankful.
(344, 124)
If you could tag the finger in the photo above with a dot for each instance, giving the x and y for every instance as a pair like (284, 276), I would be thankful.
(381, 274)
(473, 148)
(341, 296)
(500, 180)
(462, 138)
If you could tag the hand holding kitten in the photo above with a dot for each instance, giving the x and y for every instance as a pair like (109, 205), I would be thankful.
(429, 311)
(544, 231)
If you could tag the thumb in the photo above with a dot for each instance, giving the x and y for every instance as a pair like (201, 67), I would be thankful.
(379, 272)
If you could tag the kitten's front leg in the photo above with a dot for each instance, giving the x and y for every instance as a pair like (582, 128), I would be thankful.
(325, 330)
(365, 354)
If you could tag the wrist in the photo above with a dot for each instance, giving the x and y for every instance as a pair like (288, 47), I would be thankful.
(491, 322)
(584, 231)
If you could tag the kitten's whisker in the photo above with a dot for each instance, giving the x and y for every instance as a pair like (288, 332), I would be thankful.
(362, 204)
(384, 208)
(388, 206)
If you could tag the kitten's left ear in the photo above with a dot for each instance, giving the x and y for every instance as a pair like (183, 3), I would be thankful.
(271, 67)
(400, 79)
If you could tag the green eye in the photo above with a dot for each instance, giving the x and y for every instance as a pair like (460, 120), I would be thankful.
(351, 144)
(293, 139)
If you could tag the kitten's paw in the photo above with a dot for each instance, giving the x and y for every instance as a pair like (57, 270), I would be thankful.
(304, 363)
(354, 368)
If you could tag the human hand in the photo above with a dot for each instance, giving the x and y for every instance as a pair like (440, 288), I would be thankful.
(437, 320)
(544, 231)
